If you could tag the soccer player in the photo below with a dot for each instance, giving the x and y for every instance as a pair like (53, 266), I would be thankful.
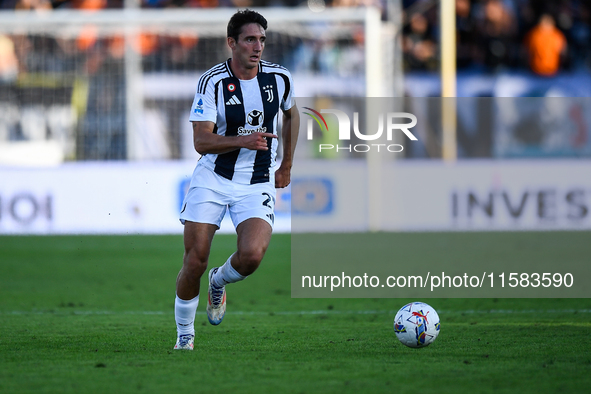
(234, 115)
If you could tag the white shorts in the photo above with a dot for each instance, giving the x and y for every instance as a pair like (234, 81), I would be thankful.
(210, 195)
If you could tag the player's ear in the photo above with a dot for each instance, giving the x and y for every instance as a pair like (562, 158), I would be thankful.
(231, 42)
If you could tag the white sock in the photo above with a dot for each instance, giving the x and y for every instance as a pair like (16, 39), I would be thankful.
(226, 274)
(184, 314)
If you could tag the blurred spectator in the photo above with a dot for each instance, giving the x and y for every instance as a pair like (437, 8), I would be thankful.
(88, 36)
(579, 36)
(8, 59)
(493, 34)
(356, 3)
(205, 3)
(88, 4)
(497, 31)
(545, 44)
(33, 5)
(419, 48)
(466, 34)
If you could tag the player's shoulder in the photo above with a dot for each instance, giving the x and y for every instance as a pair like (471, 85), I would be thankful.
(268, 67)
(212, 76)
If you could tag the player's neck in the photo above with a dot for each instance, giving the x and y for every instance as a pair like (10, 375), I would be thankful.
(241, 72)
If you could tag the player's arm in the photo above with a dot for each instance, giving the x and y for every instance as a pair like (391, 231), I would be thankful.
(289, 135)
(206, 141)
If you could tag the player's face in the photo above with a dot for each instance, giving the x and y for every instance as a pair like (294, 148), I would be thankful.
(249, 47)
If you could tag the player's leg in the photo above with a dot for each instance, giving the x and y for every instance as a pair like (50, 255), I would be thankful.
(202, 212)
(252, 212)
(254, 216)
(254, 235)
(197, 240)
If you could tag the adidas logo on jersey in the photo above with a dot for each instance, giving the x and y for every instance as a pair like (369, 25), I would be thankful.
(233, 101)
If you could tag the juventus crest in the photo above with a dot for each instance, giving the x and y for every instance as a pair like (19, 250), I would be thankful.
(269, 90)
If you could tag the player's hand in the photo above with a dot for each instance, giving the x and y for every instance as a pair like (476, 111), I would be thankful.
(282, 177)
(257, 141)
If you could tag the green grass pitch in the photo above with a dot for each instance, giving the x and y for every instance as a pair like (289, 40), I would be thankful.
(94, 314)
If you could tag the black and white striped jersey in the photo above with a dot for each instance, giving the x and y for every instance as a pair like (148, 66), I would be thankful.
(239, 107)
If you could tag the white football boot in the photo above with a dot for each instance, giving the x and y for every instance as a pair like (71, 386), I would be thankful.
(216, 301)
(185, 342)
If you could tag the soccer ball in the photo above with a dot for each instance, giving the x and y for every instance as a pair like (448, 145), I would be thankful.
(416, 324)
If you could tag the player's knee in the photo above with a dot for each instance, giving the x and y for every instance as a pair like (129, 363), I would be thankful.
(195, 263)
(251, 258)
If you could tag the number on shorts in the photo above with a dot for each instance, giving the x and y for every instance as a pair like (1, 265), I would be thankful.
(266, 202)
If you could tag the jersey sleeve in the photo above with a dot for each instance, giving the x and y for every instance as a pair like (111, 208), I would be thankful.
(289, 97)
(204, 104)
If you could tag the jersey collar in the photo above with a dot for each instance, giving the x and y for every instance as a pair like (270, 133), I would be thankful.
(229, 68)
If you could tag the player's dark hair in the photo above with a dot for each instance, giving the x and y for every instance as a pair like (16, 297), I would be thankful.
(242, 18)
